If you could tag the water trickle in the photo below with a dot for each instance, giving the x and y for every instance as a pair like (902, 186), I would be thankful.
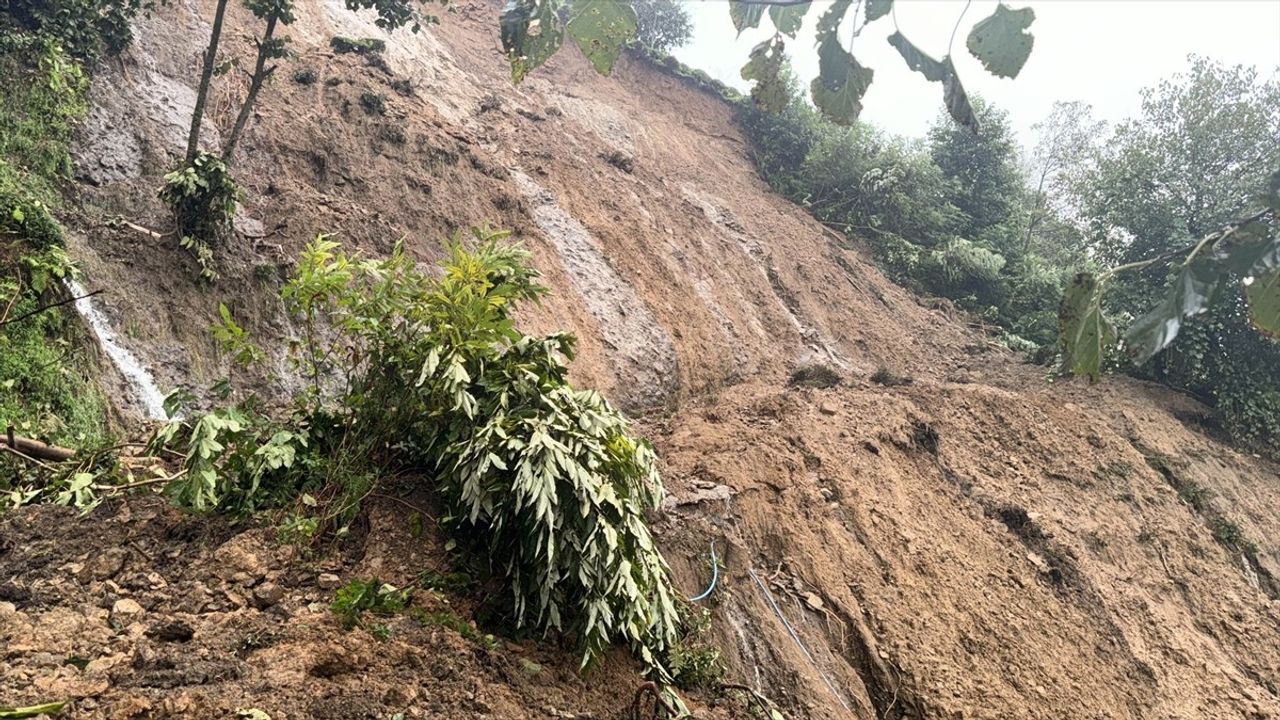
(146, 394)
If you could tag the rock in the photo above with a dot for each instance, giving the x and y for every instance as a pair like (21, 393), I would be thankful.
(266, 595)
(173, 631)
(107, 564)
(813, 601)
(240, 555)
(328, 581)
(828, 408)
(125, 611)
(530, 667)
(698, 495)
(8, 608)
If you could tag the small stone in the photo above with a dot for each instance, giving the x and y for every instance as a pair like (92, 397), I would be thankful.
(107, 564)
(827, 408)
(266, 595)
(530, 667)
(175, 631)
(328, 581)
(125, 611)
(813, 601)
(8, 608)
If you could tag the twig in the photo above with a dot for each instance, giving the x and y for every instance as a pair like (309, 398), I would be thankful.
(141, 483)
(50, 306)
(954, 30)
(25, 456)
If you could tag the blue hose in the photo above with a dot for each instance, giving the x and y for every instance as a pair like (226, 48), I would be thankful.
(715, 575)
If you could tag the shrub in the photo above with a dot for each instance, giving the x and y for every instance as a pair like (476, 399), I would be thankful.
(25, 215)
(373, 103)
(426, 372)
(357, 46)
(202, 196)
(88, 29)
(357, 597)
(305, 76)
(44, 99)
(815, 376)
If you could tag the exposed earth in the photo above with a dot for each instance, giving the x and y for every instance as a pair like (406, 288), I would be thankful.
(957, 538)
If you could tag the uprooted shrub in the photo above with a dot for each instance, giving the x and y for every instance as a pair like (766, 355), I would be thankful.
(424, 374)
(202, 195)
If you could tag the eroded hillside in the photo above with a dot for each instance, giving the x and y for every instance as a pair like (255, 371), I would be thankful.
(973, 543)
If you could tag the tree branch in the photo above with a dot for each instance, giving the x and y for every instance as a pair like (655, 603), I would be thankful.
(50, 306)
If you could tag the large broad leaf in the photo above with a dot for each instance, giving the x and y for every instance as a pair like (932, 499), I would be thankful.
(1189, 295)
(765, 67)
(1084, 332)
(1264, 302)
(788, 18)
(877, 9)
(746, 14)
(841, 82)
(601, 28)
(1252, 249)
(1001, 42)
(531, 34)
(943, 71)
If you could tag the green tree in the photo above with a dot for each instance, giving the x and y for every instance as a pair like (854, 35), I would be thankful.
(1067, 138)
(1197, 159)
(201, 191)
(984, 175)
(662, 25)
(1190, 163)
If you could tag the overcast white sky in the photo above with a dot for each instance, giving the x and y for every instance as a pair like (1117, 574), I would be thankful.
(1099, 51)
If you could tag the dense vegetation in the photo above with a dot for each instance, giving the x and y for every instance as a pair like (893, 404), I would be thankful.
(45, 385)
(963, 215)
(416, 373)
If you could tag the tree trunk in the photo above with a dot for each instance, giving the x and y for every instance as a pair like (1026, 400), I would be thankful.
(1034, 220)
(206, 75)
(260, 73)
(36, 449)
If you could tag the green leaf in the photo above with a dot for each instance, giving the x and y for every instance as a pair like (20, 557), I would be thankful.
(531, 34)
(746, 14)
(765, 67)
(933, 70)
(1084, 332)
(788, 18)
(1251, 250)
(31, 711)
(1190, 293)
(18, 215)
(1264, 302)
(1001, 42)
(877, 9)
(602, 28)
(841, 81)
(943, 71)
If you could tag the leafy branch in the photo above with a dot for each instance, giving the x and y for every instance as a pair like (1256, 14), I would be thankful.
(1247, 249)
(533, 31)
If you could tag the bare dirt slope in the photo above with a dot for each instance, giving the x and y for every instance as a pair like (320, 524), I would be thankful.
(974, 544)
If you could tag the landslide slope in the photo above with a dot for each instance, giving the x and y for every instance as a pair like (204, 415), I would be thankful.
(976, 543)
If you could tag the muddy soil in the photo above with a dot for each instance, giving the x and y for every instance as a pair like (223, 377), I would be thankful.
(977, 543)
